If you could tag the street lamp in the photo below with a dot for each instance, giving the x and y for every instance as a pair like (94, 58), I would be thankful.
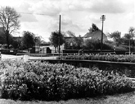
(102, 19)
(59, 33)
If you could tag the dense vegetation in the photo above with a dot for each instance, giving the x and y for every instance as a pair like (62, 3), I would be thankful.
(109, 57)
(45, 81)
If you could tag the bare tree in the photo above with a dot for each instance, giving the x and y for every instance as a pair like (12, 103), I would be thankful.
(9, 21)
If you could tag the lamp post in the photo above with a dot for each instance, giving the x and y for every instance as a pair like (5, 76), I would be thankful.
(102, 19)
(59, 33)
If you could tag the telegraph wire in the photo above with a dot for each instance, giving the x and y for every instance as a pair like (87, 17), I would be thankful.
(31, 13)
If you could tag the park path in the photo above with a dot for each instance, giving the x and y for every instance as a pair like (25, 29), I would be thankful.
(25, 57)
(128, 98)
(5, 56)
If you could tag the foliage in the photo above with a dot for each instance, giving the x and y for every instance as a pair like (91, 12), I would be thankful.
(92, 44)
(44, 81)
(116, 37)
(38, 40)
(132, 31)
(127, 36)
(9, 21)
(56, 39)
(108, 57)
(93, 28)
(28, 39)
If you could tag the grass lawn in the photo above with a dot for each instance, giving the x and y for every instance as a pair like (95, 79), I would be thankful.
(128, 98)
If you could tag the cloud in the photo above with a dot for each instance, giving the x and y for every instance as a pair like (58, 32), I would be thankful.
(47, 7)
(66, 24)
(25, 12)
(28, 18)
(112, 6)
(77, 15)
(93, 18)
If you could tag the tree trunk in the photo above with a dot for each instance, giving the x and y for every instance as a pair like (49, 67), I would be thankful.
(55, 49)
(7, 38)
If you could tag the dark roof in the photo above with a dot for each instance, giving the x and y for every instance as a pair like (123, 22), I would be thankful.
(17, 38)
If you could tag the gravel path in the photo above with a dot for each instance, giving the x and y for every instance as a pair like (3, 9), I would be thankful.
(128, 98)
(24, 57)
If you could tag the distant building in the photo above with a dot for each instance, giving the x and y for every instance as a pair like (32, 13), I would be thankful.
(17, 38)
(96, 35)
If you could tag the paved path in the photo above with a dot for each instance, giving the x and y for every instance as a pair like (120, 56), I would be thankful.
(5, 56)
(24, 57)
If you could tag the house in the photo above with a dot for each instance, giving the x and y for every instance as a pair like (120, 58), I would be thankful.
(96, 35)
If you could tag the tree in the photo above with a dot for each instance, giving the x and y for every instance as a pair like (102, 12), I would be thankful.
(128, 37)
(116, 37)
(57, 39)
(37, 40)
(9, 21)
(93, 28)
(28, 40)
(132, 33)
(92, 44)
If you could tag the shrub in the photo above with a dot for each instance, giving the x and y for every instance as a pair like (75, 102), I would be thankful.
(45, 81)
(116, 58)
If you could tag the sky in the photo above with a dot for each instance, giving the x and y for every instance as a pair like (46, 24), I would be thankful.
(41, 17)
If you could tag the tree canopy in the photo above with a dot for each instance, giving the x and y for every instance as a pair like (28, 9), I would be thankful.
(93, 28)
(9, 21)
(116, 37)
(57, 39)
(28, 40)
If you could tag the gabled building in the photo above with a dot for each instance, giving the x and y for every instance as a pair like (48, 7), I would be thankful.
(96, 35)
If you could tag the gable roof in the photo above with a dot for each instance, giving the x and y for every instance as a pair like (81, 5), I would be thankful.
(95, 35)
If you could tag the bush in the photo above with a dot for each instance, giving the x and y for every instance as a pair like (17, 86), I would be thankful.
(45, 81)
(108, 57)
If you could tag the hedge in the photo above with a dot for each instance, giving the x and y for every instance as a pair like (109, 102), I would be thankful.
(109, 57)
(45, 81)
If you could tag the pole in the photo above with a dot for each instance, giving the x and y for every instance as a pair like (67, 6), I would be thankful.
(102, 19)
(59, 32)
(102, 36)
(129, 47)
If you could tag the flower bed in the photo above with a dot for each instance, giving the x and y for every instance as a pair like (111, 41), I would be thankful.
(116, 58)
(45, 81)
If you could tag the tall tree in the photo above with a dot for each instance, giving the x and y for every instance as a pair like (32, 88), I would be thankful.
(9, 21)
(28, 39)
(116, 37)
(132, 31)
(128, 37)
(132, 34)
(37, 40)
(57, 39)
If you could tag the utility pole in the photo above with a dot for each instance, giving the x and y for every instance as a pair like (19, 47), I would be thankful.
(102, 19)
(59, 33)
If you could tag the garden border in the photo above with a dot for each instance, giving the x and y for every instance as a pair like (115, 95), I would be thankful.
(91, 61)
(126, 68)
